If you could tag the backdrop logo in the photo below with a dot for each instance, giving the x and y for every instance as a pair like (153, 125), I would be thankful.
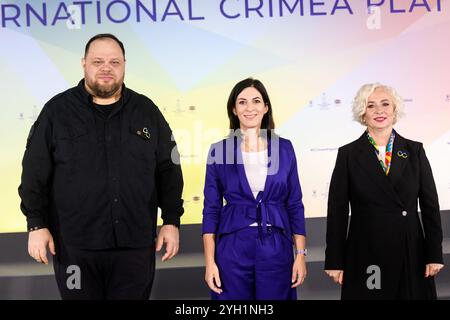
(78, 13)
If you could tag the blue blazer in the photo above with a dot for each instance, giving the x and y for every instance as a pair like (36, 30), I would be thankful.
(229, 203)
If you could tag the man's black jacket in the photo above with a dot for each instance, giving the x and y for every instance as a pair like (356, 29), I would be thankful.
(95, 181)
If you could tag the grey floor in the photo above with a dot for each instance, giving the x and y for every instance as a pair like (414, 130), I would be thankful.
(182, 277)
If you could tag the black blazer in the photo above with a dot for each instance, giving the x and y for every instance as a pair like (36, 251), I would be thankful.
(385, 229)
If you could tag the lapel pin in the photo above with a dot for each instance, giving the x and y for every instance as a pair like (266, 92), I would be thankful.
(402, 154)
(144, 133)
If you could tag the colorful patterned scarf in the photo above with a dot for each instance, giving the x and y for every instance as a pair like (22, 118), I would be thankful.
(386, 164)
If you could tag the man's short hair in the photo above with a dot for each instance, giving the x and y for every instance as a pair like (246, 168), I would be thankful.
(104, 36)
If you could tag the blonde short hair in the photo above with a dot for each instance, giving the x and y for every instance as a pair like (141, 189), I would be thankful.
(360, 101)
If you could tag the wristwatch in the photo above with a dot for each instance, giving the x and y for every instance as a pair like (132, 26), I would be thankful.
(302, 251)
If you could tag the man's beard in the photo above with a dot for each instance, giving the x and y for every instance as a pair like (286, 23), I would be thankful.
(104, 91)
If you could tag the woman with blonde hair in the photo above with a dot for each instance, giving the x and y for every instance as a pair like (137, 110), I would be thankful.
(386, 252)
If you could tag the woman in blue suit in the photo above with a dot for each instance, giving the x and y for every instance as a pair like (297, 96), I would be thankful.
(253, 212)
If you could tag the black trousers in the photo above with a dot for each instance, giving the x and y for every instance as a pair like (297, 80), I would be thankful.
(112, 274)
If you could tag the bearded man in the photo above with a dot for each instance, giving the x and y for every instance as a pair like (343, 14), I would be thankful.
(99, 161)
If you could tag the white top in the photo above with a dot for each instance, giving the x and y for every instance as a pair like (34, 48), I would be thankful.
(255, 164)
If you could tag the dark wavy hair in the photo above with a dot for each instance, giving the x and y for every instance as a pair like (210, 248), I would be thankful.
(267, 121)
